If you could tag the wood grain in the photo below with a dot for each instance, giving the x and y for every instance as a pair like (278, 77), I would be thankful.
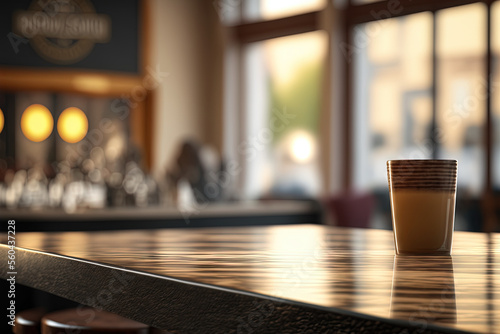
(331, 268)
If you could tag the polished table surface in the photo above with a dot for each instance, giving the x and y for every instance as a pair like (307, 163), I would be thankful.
(351, 272)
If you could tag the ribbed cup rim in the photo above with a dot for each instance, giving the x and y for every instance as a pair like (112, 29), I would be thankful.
(422, 161)
(422, 174)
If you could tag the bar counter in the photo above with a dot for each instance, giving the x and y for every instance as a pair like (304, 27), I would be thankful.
(242, 213)
(286, 279)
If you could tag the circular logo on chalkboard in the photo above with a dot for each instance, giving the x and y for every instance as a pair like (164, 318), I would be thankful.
(62, 31)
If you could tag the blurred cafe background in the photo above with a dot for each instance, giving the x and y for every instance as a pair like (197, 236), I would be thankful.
(188, 113)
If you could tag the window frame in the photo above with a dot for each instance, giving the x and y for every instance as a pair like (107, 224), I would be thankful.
(237, 37)
(339, 23)
(359, 14)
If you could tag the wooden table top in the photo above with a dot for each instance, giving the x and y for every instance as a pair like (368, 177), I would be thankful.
(348, 272)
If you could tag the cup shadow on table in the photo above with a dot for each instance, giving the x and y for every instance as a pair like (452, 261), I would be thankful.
(423, 290)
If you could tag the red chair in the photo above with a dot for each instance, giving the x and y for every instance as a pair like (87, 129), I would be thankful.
(352, 209)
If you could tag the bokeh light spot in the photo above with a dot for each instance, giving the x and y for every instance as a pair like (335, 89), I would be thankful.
(72, 125)
(302, 147)
(37, 123)
(2, 120)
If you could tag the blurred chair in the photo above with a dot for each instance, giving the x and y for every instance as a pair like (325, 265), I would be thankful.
(83, 321)
(28, 321)
(351, 209)
(90, 321)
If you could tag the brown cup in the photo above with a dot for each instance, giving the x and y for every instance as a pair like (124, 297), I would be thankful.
(423, 196)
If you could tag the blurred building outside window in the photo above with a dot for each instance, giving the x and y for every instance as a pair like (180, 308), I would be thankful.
(417, 84)
(398, 115)
(282, 110)
(282, 78)
(495, 105)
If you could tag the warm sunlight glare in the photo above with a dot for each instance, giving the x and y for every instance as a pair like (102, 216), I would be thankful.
(302, 147)
(286, 55)
(272, 9)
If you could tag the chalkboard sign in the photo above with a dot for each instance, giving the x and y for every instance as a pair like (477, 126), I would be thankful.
(73, 34)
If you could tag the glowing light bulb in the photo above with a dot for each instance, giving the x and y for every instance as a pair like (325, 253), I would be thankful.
(37, 123)
(72, 125)
(2, 120)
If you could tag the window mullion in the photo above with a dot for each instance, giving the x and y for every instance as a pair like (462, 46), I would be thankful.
(488, 205)
(434, 128)
(488, 131)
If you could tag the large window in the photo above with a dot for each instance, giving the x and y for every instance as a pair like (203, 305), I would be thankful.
(461, 92)
(281, 66)
(421, 85)
(282, 109)
(418, 81)
(392, 100)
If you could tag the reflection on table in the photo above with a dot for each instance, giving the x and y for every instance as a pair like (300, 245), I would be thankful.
(423, 290)
(350, 269)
